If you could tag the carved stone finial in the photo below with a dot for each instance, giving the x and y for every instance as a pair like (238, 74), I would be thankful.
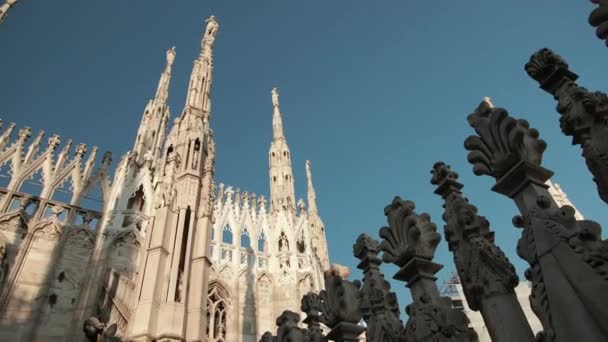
(483, 268)
(366, 247)
(312, 305)
(547, 67)
(54, 141)
(379, 306)
(436, 322)
(599, 19)
(107, 158)
(584, 114)
(210, 32)
(81, 149)
(341, 300)
(408, 235)
(25, 133)
(170, 57)
(502, 142)
(275, 97)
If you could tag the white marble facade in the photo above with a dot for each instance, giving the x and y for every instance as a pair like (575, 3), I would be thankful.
(156, 247)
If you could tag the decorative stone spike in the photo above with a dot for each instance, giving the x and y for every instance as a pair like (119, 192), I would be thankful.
(311, 305)
(494, 152)
(34, 146)
(560, 250)
(583, 113)
(487, 276)
(409, 242)
(379, 305)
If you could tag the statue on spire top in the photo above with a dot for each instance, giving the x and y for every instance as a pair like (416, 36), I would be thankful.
(275, 97)
(170, 56)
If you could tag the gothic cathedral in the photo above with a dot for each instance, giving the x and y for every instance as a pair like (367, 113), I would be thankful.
(168, 255)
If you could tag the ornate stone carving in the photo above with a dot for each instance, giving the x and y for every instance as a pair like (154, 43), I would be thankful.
(502, 141)
(561, 251)
(584, 114)
(430, 322)
(409, 242)
(409, 235)
(49, 231)
(488, 278)
(311, 305)
(599, 19)
(557, 247)
(340, 307)
(379, 305)
(483, 268)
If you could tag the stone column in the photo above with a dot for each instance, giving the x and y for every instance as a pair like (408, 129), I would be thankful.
(566, 257)
(487, 276)
(409, 242)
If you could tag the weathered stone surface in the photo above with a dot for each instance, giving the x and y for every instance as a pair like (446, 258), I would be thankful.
(599, 19)
(379, 305)
(488, 278)
(560, 250)
(583, 113)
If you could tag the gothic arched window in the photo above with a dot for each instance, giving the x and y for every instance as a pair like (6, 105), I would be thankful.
(217, 314)
(137, 201)
(227, 234)
(262, 242)
(245, 240)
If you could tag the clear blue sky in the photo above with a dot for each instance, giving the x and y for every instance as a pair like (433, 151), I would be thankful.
(372, 92)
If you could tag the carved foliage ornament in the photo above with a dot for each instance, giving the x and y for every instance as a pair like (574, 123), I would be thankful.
(483, 268)
(341, 301)
(599, 19)
(430, 322)
(584, 114)
(408, 235)
(501, 141)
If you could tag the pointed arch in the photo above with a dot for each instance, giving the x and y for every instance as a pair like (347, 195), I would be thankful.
(227, 234)
(245, 238)
(262, 243)
(301, 242)
(218, 310)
